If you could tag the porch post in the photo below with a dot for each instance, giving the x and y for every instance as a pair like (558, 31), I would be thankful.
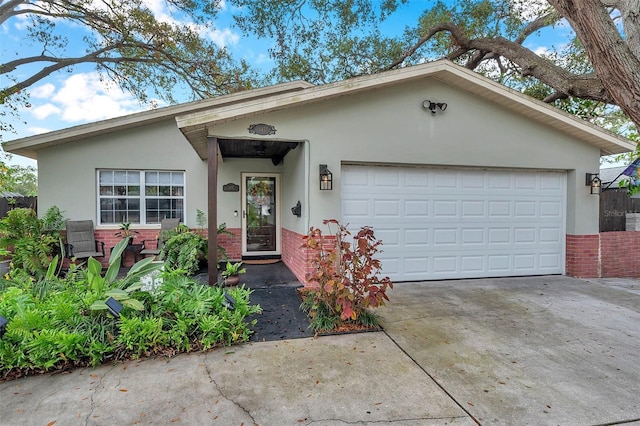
(212, 207)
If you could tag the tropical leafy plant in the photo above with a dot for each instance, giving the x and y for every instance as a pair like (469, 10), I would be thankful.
(29, 239)
(233, 269)
(185, 251)
(58, 323)
(347, 277)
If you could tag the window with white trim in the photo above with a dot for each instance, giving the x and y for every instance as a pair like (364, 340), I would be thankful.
(140, 196)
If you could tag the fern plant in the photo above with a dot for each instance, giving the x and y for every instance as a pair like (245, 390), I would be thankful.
(25, 236)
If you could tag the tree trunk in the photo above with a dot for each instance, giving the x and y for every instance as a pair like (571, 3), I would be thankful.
(614, 61)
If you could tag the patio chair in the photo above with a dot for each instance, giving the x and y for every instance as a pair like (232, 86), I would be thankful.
(81, 242)
(165, 225)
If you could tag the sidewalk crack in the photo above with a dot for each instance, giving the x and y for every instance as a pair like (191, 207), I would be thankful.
(219, 389)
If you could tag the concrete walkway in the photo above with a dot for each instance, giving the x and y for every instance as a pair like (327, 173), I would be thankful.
(539, 351)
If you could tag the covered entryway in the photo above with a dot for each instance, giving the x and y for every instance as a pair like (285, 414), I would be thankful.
(442, 223)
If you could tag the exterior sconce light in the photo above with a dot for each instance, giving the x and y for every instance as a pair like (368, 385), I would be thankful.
(114, 307)
(297, 209)
(326, 178)
(3, 325)
(434, 106)
(592, 180)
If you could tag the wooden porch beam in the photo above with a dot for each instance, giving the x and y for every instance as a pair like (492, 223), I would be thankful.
(212, 207)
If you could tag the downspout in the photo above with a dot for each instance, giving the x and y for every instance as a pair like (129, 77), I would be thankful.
(307, 189)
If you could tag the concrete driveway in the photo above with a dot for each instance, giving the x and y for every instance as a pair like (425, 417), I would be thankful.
(547, 350)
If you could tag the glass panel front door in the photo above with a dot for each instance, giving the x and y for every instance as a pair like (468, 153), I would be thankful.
(260, 215)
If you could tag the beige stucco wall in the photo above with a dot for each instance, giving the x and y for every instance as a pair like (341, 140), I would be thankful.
(390, 126)
(386, 126)
(67, 173)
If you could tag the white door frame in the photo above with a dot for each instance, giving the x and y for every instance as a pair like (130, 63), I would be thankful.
(278, 213)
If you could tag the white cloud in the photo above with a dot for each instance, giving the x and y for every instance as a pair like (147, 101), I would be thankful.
(222, 38)
(85, 97)
(43, 111)
(43, 91)
(38, 130)
(82, 97)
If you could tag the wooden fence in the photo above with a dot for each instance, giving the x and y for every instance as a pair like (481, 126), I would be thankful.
(14, 203)
(614, 205)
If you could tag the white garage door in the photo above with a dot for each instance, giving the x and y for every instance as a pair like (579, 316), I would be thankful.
(459, 223)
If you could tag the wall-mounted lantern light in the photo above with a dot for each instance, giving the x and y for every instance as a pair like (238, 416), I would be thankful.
(592, 180)
(326, 178)
(297, 209)
(434, 106)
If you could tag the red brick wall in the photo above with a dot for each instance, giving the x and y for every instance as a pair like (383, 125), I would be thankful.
(582, 255)
(232, 243)
(608, 254)
(293, 255)
(296, 257)
(620, 254)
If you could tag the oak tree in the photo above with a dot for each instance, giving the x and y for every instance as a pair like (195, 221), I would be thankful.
(327, 40)
(147, 52)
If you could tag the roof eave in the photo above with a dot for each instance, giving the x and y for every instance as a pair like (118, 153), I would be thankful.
(193, 125)
(30, 146)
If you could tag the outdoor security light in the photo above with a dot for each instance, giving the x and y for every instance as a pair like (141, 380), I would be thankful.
(3, 325)
(326, 178)
(114, 307)
(592, 180)
(229, 302)
(434, 106)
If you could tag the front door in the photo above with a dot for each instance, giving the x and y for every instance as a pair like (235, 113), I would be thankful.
(260, 214)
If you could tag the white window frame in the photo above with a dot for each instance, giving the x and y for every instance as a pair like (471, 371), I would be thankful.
(142, 197)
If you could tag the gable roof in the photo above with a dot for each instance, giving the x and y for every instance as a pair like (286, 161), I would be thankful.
(194, 125)
(193, 118)
(29, 146)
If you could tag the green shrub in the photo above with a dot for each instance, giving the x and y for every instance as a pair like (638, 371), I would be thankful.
(58, 322)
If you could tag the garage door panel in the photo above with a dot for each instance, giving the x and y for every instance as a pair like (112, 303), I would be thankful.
(437, 223)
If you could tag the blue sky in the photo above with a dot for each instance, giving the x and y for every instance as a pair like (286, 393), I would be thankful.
(67, 99)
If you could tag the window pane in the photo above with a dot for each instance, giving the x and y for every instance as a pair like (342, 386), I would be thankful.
(120, 190)
(106, 190)
(164, 191)
(133, 204)
(151, 191)
(133, 177)
(152, 217)
(165, 178)
(106, 177)
(133, 190)
(120, 177)
(106, 217)
(177, 191)
(177, 178)
(151, 177)
(152, 204)
(134, 216)
(163, 203)
(106, 204)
